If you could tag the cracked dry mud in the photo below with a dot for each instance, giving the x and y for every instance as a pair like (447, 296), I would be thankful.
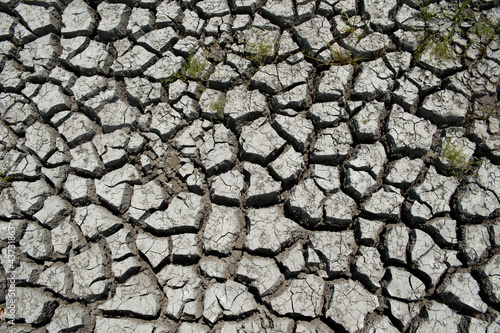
(249, 166)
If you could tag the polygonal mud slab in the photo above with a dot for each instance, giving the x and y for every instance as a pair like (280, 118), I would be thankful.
(349, 305)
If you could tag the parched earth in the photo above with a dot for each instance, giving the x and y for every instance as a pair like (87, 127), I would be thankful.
(249, 166)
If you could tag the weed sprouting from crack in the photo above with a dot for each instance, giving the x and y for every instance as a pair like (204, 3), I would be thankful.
(459, 163)
(442, 49)
(259, 51)
(344, 58)
(351, 23)
(485, 113)
(4, 168)
(426, 11)
(441, 46)
(437, 44)
(340, 56)
(196, 69)
(218, 105)
(353, 29)
(457, 18)
(193, 69)
(485, 29)
(3, 175)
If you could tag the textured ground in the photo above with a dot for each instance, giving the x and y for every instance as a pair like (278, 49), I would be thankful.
(248, 166)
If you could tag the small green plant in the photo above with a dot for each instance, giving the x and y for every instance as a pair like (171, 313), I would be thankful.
(339, 55)
(3, 175)
(351, 23)
(193, 69)
(343, 57)
(457, 18)
(442, 48)
(258, 51)
(196, 69)
(270, 321)
(353, 27)
(438, 44)
(259, 48)
(486, 112)
(485, 29)
(218, 105)
(459, 163)
(427, 12)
